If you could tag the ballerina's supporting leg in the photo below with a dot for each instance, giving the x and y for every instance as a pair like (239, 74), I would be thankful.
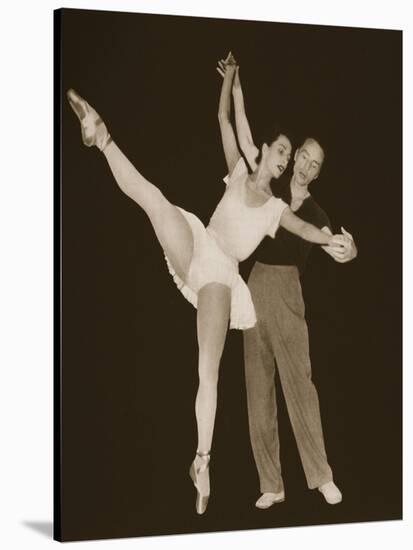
(214, 301)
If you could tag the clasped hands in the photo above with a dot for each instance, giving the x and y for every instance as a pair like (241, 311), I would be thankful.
(342, 247)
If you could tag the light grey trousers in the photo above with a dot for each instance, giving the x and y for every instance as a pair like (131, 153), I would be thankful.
(280, 338)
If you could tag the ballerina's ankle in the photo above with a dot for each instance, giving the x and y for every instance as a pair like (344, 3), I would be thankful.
(203, 458)
(105, 142)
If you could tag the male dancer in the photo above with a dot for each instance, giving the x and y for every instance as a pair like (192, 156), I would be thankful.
(281, 335)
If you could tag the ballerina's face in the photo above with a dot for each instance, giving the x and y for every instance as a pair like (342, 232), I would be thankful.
(277, 155)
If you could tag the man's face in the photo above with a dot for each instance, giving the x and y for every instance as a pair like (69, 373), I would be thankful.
(307, 162)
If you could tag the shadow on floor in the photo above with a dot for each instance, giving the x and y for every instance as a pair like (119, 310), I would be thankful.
(45, 528)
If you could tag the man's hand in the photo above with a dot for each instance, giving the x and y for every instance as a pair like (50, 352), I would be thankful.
(343, 251)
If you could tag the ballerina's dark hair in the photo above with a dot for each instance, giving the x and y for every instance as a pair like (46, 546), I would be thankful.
(271, 134)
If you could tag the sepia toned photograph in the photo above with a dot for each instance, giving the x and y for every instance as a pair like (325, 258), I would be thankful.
(228, 258)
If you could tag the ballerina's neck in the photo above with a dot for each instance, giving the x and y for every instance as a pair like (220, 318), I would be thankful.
(259, 182)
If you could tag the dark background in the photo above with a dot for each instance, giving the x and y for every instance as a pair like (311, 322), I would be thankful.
(129, 358)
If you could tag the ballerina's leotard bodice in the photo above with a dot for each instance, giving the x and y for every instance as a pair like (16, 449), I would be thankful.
(237, 227)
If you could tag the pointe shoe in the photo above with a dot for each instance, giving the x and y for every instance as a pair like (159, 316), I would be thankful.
(199, 472)
(331, 492)
(94, 131)
(267, 500)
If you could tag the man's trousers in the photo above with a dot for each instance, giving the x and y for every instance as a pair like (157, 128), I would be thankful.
(280, 338)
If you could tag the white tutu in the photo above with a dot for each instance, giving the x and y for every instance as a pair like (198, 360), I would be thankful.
(211, 265)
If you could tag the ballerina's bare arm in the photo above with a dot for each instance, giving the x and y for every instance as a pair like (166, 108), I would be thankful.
(229, 142)
(244, 134)
(307, 231)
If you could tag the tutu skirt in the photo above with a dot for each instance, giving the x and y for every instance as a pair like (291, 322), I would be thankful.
(210, 264)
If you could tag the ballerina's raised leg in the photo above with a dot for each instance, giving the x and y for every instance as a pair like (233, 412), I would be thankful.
(176, 238)
(171, 228)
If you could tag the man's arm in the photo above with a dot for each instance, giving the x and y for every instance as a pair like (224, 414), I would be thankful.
(341, 253)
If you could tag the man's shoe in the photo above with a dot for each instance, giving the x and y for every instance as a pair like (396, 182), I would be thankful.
(331, 492)
(267, 500)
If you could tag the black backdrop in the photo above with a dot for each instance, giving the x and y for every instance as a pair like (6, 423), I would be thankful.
(128, 371)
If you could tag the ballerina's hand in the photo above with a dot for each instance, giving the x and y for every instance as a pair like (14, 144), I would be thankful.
(228, 63)
(337, 240)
